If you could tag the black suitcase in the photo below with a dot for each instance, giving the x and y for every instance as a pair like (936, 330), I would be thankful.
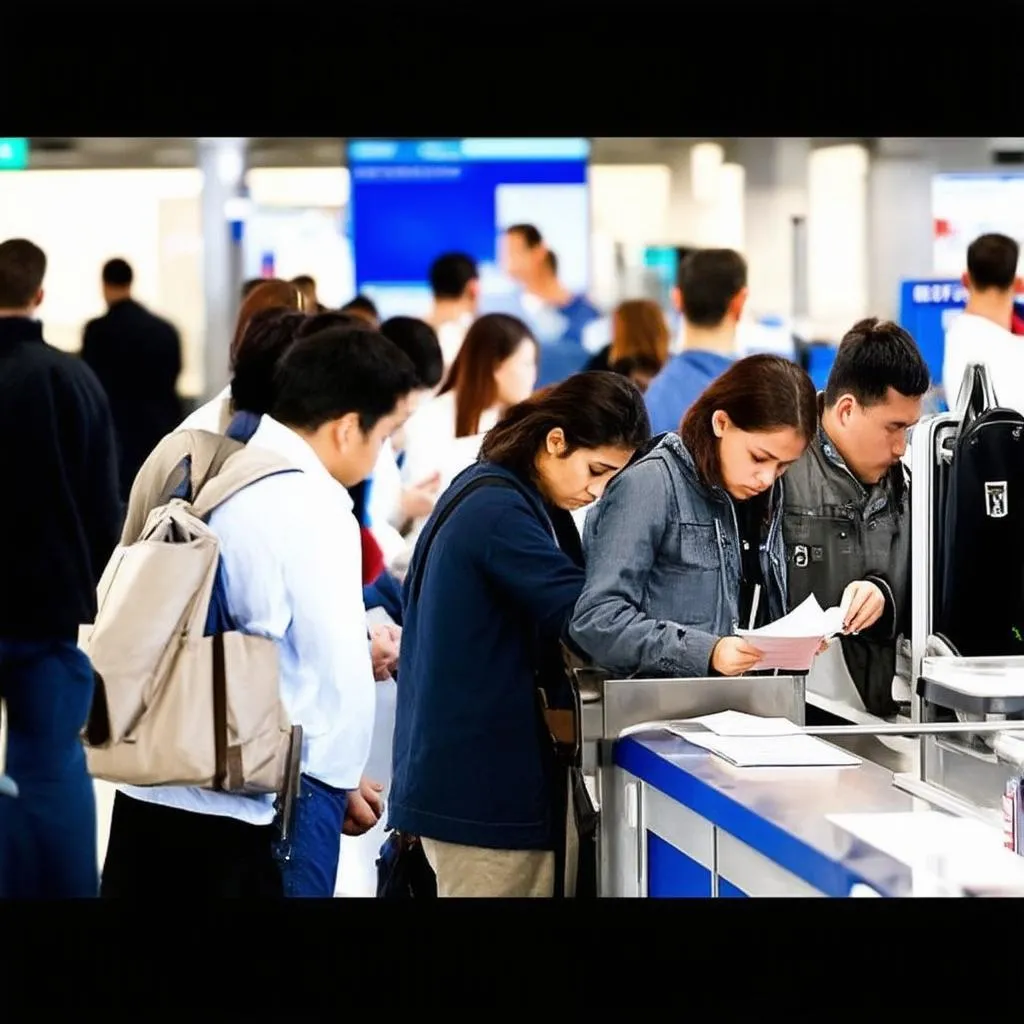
(981, 566)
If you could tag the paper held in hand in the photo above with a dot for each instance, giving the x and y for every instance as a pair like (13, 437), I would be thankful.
(790, 643)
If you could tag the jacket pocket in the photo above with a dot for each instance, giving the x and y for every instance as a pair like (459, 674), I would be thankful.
(823, 555)
(686, 584)
(692, 547)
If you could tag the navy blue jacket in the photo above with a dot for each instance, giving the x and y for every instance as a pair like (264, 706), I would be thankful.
(470, 765)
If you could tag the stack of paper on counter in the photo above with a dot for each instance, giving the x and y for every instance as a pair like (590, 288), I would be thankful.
(749, 741)
(790, 643)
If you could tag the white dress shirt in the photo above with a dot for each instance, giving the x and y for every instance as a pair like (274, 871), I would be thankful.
(292, 559)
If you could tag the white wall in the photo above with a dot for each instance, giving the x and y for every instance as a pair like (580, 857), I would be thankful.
(151, 218)
(83, 218)
(899, 228)
(837, 232)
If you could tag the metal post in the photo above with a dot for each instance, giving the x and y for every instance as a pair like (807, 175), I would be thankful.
(222, 162)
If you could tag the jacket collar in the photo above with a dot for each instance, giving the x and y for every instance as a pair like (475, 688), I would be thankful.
(17, 329)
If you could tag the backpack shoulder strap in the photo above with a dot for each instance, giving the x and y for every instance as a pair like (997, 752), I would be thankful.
(240, 469)
(177, 467)
(490, 479)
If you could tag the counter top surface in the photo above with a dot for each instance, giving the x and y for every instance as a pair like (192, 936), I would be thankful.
(784, 813)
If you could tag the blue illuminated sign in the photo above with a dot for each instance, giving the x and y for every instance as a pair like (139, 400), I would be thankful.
(428, 151)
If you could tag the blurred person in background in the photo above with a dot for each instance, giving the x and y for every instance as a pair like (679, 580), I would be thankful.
(496, 368)
(710, 294)
(272, 293)
(392, 506)
(639, 333)
(136, 355)
(363, 308)
(307, 285)
(455, 283)
(982, 333)
(59, 525)
(557, 317)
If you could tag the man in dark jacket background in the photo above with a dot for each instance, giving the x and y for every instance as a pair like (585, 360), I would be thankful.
(59, 522)
(137, 357)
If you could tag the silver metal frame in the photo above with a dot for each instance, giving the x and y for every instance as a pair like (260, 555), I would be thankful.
(614, 706)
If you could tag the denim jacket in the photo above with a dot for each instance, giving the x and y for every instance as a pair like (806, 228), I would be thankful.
(664, 568)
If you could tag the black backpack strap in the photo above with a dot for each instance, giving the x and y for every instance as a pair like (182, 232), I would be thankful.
(490, 480)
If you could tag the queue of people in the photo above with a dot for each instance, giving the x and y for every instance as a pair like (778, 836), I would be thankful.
(440, 536)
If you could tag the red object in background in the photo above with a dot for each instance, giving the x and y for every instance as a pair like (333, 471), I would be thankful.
(1017, 323)
(373, 557)
(942, 228)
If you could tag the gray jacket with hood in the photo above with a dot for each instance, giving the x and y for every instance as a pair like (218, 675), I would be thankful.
(664, 568)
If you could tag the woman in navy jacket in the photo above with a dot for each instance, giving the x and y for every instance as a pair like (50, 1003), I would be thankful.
(490, 590)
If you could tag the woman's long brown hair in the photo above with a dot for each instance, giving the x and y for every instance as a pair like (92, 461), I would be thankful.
(488, 343)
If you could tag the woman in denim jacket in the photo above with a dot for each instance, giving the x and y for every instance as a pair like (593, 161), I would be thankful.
(686, 547)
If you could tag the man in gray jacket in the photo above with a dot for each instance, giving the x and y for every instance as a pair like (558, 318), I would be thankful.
(847, 512)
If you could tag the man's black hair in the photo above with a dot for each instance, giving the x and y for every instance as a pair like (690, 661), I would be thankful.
(363, 303)
(268, 335)
(118, 273)
(451, 273)
(992, 262)
(338, 371)
(709, 279)
(873, 356)
(418, 340)
(22, 269)
(530, 235)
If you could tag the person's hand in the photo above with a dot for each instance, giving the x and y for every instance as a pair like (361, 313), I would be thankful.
(733, 656)
(418, 501)
(385, 644)
(363, 807)
(863, 604)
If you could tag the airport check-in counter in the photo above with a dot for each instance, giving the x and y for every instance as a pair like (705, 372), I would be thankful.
(678, 821)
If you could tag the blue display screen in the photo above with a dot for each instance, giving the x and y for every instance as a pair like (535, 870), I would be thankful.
(413, 200)
(926, 308)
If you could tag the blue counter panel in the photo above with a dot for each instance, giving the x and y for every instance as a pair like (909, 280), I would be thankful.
(780, 813)
(726, 890)
(671, 873)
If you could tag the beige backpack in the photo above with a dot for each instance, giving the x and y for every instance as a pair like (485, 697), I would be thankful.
(173, 706)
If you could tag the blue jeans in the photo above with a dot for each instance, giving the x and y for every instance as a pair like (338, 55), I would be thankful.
(47, 832)
(308, 858)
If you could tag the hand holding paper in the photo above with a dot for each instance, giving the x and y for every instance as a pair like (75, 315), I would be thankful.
(792, 642)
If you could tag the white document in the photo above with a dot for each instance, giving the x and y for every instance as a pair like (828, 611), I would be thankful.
(790, 643)
(750, 741)
(739, 723)
(773, 751)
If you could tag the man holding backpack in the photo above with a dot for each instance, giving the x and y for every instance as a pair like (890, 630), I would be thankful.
(287, 564)
(59, 525)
